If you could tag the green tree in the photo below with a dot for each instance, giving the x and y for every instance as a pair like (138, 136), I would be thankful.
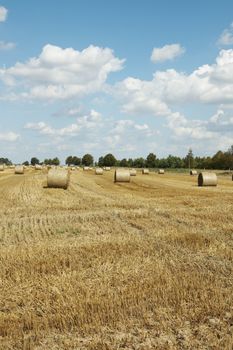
(124, 162)
(69, 160)
(87, 159)
(5, 161)
(163, 163)
(76, 160)
(189, 159)
(101, 161)
(218, 160)
(139, 162)
(230, 150)
(55, 161)
(26, 163)
(207, 163)
(34, 161)
(47, 161)
(109, 160)
(130, 162)
(151, 160)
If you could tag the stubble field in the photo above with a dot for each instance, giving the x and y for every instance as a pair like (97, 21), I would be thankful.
(144, 265)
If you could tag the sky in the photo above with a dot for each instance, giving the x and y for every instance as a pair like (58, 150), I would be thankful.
(123, 77)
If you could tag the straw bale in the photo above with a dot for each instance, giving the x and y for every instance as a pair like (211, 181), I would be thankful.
(207, 179)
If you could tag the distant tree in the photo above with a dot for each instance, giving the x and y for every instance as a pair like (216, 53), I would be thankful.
(109, 160)
(222, 160)
(124, 162)
(130, 162)
(230, 150)
(76, 160)
(34, 161)
(5, 161)
(87, 159)
(55, 161)
(207, 163)
(163, 163)
(69, 160)
(101, 161)
(199, 162)
(230, 157)
(26, 163)
(174, 162)
(189, 159)
(151, 160)
(139, 162)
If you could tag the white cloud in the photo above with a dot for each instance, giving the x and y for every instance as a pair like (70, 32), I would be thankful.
(167, 52)
(194, 129)
(127, 125)
(213, 134)
(95, 133)
(226, 38)
(3, 13)
(138, 96)
(88, 122)
(72, 112)
(63, 73)
(170, 90)
(208, 84)
(9, 136)
(93, 122)
(4, 46)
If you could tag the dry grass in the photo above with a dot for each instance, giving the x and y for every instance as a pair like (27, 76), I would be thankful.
(142, 265)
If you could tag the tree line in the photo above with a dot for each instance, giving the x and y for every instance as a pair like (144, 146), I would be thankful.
(220, 160)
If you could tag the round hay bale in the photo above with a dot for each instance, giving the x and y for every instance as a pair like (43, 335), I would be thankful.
(2, 167)
(19, 169)
(38, 167)
(107, 168)
(122, 175)
(207, 179)
(86, 168)
(99, 171)
(193, 172)
(58, 178)
(133, 172)
(161, 171)
(145, 171)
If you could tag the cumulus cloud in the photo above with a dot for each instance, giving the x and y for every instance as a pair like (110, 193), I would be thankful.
(63, 73)
(167, 52)
(170, 90)
(96, 133)
(208, 84)
(123, 125)
(71, 111)
(226, 38)
(4, 46)
(90, 121)
(9, 136)
(3, 13)
(138, 96)
(216, 131)
(194, 129)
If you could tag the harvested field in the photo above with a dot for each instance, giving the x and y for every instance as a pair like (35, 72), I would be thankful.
(140, 265)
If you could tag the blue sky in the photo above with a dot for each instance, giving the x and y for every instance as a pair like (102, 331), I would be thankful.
(126, 77)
